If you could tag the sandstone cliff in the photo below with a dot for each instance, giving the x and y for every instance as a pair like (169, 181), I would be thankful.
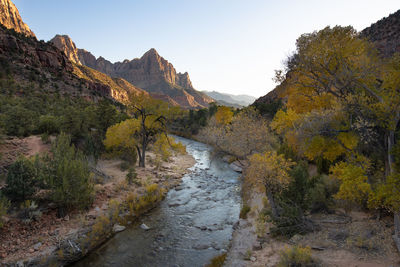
(154, 74)
(36, 65)
(65, 44)
(151, 72)
(10, 18)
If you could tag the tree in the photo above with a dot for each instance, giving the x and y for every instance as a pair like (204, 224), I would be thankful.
(271, 171)
(247, 133)
(68, 176)
(339, 82)
(120, 139)
(21, 180)
(149, 122)
(224, 115)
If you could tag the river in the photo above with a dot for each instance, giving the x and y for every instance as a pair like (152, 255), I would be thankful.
(192, 225)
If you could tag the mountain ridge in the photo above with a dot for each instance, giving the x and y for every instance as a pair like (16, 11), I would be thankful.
(235, 100)
(150, 72)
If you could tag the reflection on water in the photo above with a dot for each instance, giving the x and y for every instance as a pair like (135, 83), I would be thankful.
(192, 225)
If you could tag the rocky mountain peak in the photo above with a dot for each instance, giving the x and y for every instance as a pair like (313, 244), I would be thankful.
(65, 44)
(11, 19)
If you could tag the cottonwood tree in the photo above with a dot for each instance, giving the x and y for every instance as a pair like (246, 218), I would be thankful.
(339, 91)
(272, 171)
(149, 121)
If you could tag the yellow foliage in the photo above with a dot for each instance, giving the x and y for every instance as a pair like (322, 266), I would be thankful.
(295, 256)
(224, 115)
(121, 135)
(354, 185)
(387, 195)
(270, 170)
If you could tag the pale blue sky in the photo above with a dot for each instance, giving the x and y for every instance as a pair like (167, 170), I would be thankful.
(230, 46)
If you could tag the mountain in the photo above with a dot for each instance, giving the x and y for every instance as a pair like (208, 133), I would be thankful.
(65, 44)
(385, 33)
(10, 18)
(151, 72)
(30, 64)
(229, 99)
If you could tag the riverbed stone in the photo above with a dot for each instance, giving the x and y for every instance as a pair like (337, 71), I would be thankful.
(236, 166)
(144, 227)
(118, 228)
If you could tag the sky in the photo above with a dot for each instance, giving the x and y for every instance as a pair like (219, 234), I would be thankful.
(230, 46)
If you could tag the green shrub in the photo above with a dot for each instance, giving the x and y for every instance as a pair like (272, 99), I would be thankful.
(124, 166)
(69, 176)
(49, 124)
(297, 257)
(4, 205)
(131, 176)
(321, 195)
(243, 211)
(21, 180)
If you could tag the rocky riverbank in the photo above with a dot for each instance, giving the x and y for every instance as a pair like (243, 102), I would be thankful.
(48, 240)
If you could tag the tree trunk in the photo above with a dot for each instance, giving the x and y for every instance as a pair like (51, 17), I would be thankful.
(274, 207)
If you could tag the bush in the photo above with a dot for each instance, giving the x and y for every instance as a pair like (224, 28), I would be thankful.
(217, 261)
(21, 179)
(69, 176)
(124, 166)
(131, 176)
(243, 212)
(297, 257)
(4, 205)
(49, 124)
(290, 221)
(321, 195)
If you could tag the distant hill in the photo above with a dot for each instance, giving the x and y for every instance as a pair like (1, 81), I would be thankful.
(150, 72)
(229, 99)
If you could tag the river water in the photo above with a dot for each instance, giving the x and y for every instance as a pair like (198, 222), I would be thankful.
(192, 225)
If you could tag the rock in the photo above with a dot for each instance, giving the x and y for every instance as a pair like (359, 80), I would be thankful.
(236, 166)
(31, 250)
(203, 228)
(338, 235)
(65, 44)
(11, 19)
(37, 246)
(148, 72)
(118, 228)
(257, 246)
(253, 259)
(144, 227)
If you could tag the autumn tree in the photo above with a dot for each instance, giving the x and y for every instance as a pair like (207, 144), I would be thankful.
(224, 115)
(272, 171)
(149, 121)
(120, 140)
(247, 133)
(340, 95)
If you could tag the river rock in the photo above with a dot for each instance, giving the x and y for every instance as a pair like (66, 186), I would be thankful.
(253, 259)
(118, 228)
(236, 166)
(37, 246)
(144, 227)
